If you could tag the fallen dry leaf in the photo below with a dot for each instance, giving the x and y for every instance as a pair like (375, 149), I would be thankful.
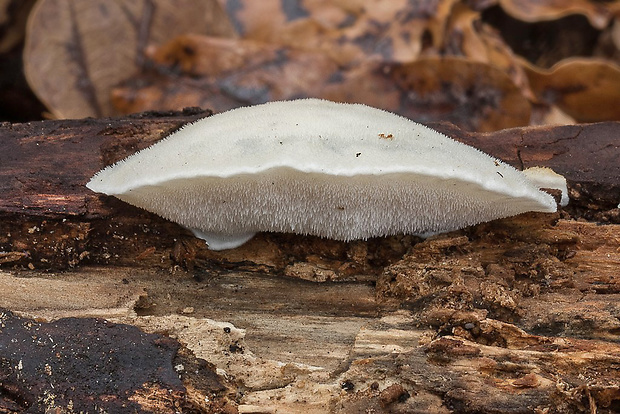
(346, 50)
(473, 95)
(223, 74)
(545, 42)
(195, 55)
(348, 31)
(479, 42)
(230, 73)
(76, 51)
(538, 10)
(265, 19)
(585, 89)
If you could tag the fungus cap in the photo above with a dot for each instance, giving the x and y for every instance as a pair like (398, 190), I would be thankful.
(310, 166)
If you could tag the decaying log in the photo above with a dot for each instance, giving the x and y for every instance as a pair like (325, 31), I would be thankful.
(517, 315)
(53, 221)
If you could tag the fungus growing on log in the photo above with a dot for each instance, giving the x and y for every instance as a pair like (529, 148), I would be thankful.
(310, 166)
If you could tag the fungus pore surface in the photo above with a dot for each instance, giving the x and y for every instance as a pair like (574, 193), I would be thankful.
(341, 171)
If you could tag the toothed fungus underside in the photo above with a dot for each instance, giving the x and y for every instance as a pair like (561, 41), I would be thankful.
(341, 171)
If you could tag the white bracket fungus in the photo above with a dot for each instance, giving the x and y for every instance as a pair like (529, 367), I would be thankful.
(341, 171)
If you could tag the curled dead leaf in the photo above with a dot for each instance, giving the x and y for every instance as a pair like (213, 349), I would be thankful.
(76, 51)
(538, 10)
(479, 42)
(545, 42)
(586, 89)
(197, 55)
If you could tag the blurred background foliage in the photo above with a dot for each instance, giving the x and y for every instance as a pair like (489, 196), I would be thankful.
(483, 65)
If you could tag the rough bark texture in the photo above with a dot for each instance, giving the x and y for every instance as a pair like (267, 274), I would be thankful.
(516, 315)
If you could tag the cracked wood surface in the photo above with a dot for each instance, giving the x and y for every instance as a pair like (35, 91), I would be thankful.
(516, 315)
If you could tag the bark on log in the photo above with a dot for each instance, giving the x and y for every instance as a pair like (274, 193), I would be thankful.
(516, 315)
(53, 221)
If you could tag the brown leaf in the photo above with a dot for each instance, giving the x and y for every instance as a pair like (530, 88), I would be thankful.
(348, 31)
(76, 51)
(479, 42)
(266, 19)
(586, 89)
(473, 95)
(308, 34)
(196, 55)
(541, 10)
(309, 25)
(225, 73)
